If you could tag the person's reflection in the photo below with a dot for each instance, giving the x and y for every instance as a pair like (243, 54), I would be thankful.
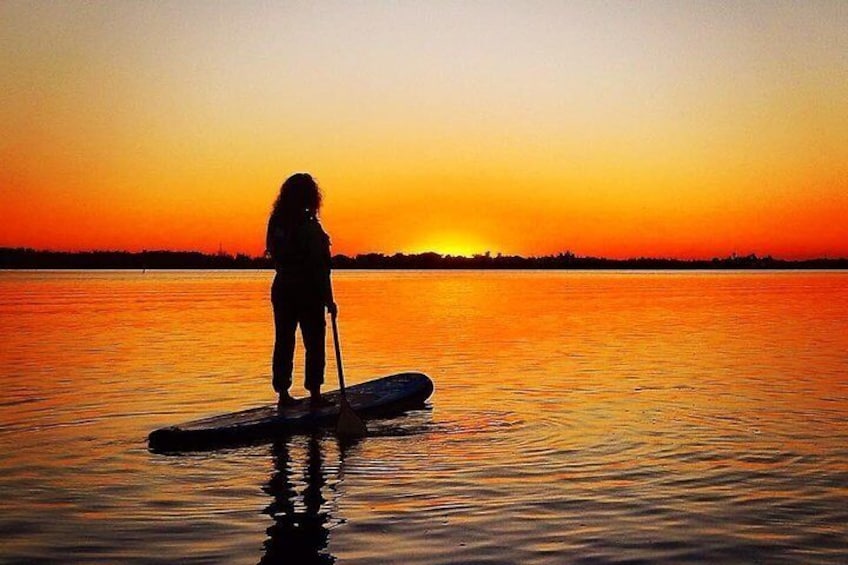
(297, 536)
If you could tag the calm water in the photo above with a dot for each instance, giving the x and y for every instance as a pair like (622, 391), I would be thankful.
(578, 417)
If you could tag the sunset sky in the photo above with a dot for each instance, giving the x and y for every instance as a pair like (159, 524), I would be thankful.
(687, 129)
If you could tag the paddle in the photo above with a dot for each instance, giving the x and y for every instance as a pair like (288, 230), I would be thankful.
(349, 423)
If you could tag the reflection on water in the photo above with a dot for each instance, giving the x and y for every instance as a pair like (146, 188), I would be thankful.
(578, 417)
(299, 487)
(300, 530)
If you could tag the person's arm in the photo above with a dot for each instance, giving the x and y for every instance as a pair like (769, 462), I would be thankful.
(318, 260)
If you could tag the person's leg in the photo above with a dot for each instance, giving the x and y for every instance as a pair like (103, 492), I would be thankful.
(313, 326)
(285, 325)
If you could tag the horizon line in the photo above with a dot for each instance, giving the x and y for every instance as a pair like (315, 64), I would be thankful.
(490, 254)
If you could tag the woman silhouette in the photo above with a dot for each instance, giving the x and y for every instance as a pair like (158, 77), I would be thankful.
(301, 290)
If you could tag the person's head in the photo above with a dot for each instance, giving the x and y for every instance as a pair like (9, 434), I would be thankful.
(299, 197)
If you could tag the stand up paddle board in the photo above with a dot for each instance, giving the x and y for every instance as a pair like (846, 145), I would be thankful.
(385, 396)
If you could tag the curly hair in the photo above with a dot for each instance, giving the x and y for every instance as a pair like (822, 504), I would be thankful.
(299, 198)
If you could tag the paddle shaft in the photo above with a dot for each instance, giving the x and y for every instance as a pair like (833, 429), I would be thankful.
(349, 424)
(338, 355)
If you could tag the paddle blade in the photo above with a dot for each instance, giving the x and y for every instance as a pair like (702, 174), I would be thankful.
(349, 424)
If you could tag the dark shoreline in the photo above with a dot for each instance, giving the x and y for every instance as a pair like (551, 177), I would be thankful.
(24, 258)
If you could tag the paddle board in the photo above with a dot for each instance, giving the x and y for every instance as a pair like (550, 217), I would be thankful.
(379, 397)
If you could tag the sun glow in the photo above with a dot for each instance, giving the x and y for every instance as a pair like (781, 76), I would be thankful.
(618, 130)
(451, 244)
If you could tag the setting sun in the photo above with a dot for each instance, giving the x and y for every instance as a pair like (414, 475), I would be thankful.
(451, 244)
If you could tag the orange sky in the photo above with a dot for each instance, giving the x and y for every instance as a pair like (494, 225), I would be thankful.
(687, 129)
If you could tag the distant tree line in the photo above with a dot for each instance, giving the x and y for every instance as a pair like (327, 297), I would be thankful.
(24, 258)
(569, 260)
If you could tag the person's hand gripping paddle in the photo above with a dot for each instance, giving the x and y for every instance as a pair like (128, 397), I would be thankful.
(349, 424)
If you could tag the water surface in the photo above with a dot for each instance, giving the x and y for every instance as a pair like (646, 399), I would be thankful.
(597, 417)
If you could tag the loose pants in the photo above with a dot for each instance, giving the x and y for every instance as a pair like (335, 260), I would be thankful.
(297, 304)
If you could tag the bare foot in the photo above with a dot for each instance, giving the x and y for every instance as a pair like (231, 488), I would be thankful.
(316, 402)
(285, 400)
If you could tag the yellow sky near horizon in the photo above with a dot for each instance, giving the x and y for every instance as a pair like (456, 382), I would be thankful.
(686, 129)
